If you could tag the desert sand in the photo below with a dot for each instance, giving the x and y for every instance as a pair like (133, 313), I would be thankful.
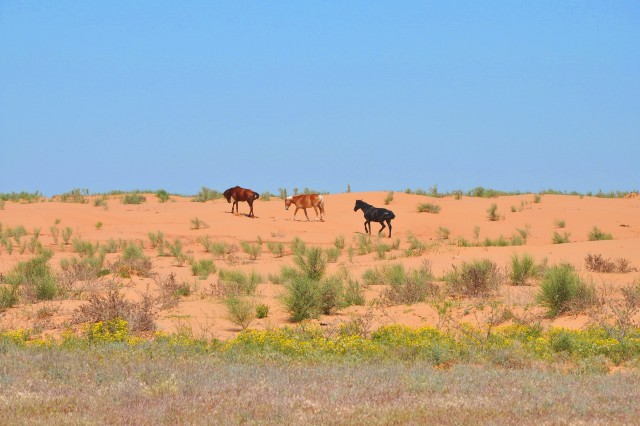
(203, 315)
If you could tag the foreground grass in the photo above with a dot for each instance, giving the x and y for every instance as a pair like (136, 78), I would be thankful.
(515, 374)
(112, 384)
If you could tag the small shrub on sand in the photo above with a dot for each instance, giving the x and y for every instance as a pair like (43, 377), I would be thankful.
(134, 198)
(476, 278)
(262, 310)
(492, 212)
(207, 194)
(203, 268)
(560, 239)
(389, 198)
(597, 263)
(597, 235)
(171, 290)
(163, 196)
(110, 306)
(523, 269)
(196, 223)
(428, 208)
(236, 283)
(35, 278)
(132, 262)
(240, 310)
(253, 250)
(562, 290)
(276, 248)
(313, 264)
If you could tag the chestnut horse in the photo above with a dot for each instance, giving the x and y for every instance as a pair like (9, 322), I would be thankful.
(374, 214)
(241, 194)
(304, 202)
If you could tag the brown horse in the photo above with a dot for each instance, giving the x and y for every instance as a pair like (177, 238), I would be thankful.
(304, 202)
(241, 194)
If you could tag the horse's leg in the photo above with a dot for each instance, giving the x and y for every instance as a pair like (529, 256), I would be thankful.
(305, 213)
(234, 206)
(383, 226)
(367, 230)
(296, 212)
(250, 208)
(389, 223)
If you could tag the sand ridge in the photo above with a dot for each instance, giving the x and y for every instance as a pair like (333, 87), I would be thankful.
(464, 218)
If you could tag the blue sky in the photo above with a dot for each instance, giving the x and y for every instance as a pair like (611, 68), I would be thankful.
(510, 95)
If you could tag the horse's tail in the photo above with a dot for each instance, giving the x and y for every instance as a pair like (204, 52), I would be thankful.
(322, 203)
(390, 215)
(256, 195)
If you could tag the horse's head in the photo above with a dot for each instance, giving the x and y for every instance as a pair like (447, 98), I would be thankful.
(359, 204)
(227, 195)
(287, 202)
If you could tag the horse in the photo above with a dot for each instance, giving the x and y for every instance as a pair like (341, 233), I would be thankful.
(241, 194)
(304, 202)
(374, 214)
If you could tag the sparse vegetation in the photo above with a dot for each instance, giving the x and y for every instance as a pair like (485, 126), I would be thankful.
(389, 198)
(597, 263)
(562, 290)
(560, 239)
(207, 194)
(523, 269)
(597, 235)
(196, 223)
(492, 212)
(134, 198)
(476, 278)
(428, 208)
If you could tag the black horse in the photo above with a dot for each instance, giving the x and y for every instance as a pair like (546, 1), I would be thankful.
(374, 214)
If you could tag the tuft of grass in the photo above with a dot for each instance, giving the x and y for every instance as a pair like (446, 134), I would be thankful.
(312, 264)
(35, 277)
(560, 239)
(476, 278)
(298, 247)
(135, 198)
(492, 212)
(339, 242)
(163, 196)
(597, 263)
(196, 223)
(262, 310)
(276, 248)
(236, 283)
(523, 269)
(559, 223)
(206, 194)
(416, 247)
(428, 208)
(443, 233)
(562, 290)
(389, 198)
(203, 268)
(597, 235)
(132, 262)
(253, 250)
(66, 235)
(240, 310)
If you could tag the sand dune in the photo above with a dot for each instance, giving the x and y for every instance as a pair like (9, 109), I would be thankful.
(204, 314)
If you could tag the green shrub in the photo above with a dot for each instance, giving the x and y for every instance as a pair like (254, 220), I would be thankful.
(302, 298)
(75, 196)
(8, 296)
(66, 235)
(443, 233)
(339, 242)
(196, 223)
(241, 311)
(35, 277)
(132, 262)
(562, 290)
(203, 268)
(262, 311)
(134, 198)
(163, 196)
(477, 278)
(237, 283)
(253, 250)
(560, 239)
(312, 264)
(416, 247)
(331, 295)
(298, 247)
(492, 212)
(276, 248)
(560, 223)
(207, 194)
(332, 254)
(597, 235)
(407, 287)
(523, 268)
(389, 198)
(428, 208)
(364, 245)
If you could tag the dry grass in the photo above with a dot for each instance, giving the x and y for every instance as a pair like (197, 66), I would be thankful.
(109, 385)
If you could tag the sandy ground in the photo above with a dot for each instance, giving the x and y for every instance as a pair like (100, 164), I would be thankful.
(204, 315)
